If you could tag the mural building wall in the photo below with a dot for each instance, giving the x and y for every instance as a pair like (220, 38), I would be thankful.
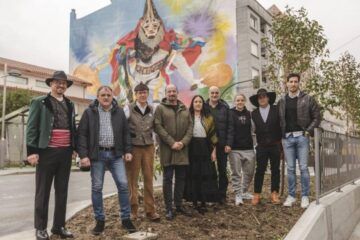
(190, 43)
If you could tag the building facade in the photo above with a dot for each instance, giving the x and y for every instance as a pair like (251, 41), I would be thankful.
(33, 79)
(253, 24)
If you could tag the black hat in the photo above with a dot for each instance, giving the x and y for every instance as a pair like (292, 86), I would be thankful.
(59, 75)
(141, 87)
(262, 91)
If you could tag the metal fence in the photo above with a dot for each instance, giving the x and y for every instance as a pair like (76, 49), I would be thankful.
(337, 161)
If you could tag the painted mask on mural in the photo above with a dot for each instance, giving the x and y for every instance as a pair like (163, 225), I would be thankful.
(151, 27)
(151, 21)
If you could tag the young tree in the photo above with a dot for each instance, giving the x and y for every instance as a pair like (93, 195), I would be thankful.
(296, 45)
(342, 88)
(16, 99)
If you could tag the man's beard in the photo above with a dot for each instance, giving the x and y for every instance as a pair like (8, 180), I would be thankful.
(152, 42)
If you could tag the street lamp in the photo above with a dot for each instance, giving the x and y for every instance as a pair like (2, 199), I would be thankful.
(3, 144)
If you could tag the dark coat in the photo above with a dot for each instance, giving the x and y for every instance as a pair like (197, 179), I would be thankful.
(223, 123)
(40, 123)
(88, 132)
(308, 113)
(173, 127)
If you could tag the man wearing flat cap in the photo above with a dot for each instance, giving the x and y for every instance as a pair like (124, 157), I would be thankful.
(50, 140)
(268, 135)
(141, 123)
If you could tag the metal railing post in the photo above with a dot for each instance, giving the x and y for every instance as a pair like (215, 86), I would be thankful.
(338, 159)
(317, 164)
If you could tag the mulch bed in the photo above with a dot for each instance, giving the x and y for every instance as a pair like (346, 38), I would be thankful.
(265, 221)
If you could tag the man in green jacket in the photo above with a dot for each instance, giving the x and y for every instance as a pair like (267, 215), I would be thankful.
(50, 142)
(174, 126)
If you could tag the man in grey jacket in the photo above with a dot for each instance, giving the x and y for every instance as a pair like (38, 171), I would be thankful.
(299, 115)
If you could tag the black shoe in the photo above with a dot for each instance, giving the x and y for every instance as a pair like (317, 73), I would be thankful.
(169, 215)
(99, 228)
(222, 201)
(62, 232)
(181, 210)
(200, 210)
(203, 207)
(41, 235)
(128, 225)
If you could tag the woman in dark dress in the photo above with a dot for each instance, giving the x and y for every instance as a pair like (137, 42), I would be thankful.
(201, 183)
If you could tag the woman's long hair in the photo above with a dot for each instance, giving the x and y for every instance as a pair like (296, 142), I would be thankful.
(205, 111)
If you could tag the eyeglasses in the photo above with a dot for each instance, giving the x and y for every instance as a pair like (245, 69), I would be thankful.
(60, 82)
(214, 93)
(105, 95)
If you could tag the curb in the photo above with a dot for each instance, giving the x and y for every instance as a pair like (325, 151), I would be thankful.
(30, 171)
(30, 234)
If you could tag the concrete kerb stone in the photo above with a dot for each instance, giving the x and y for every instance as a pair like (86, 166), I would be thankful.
(306, 225)
(334, 218)
(18, 171)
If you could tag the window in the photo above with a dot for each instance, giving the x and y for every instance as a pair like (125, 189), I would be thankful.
(263, 52)
(41, 84)
(254, 73)
(262, 28)
(255, 76)
(264, 78)
(254, 49)
(17, 80)
(253, 22)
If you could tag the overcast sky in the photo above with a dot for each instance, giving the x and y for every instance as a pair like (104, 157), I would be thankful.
(37, 31)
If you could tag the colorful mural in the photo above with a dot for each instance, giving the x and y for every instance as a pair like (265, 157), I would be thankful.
(191, 44)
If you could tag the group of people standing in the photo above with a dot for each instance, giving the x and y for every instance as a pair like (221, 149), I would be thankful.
(195, 145)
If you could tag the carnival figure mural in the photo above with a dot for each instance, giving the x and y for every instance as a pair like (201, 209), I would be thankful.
(191, 44)
(150, 53)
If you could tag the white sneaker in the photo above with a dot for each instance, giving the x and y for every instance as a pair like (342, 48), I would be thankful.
(289, 201)
(305, 202)
(238, 200)
(247, 196)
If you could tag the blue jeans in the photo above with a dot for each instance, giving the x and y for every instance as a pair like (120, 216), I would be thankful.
(297, 148)
(117, 168)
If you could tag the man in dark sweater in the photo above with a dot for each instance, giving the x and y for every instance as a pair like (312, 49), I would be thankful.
(268, 137)
(299, 115)
(225, 131)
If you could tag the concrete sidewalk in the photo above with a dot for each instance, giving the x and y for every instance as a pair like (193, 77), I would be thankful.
(24, 170)
(18, 196)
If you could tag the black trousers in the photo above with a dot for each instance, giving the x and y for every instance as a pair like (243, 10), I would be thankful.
(221, 166)
(54, 164)
(180, 175)
(263, 154)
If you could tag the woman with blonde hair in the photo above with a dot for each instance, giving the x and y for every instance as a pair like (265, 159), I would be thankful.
(242, 155)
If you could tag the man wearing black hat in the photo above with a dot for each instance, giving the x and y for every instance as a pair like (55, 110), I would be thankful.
(268, 135)
(141, 123)
(50, 142)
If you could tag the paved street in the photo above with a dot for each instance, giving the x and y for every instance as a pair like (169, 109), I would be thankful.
(17, 199)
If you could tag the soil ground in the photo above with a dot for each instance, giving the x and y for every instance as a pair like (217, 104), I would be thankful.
(265, 221)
